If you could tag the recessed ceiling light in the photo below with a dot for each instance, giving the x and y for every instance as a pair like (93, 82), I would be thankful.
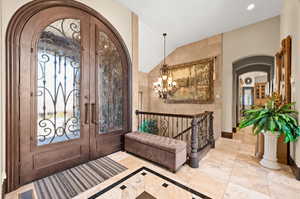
(251, 6)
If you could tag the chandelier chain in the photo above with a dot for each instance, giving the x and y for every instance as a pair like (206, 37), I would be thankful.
(165, 85)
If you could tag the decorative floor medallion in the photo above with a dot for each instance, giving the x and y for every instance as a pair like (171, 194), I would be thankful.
(145, 183)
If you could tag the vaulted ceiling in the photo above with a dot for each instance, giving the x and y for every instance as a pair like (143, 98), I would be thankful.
(187, 21)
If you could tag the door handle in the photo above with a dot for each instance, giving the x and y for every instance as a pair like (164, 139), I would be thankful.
(93, 106)
(86, 109)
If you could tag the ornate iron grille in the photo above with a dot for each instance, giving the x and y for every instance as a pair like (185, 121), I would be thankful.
(58, 82)
(110, 85)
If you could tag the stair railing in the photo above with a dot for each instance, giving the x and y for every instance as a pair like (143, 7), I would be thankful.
(195, 129)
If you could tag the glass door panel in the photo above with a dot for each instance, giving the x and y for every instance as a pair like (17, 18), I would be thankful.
(110, 93)
(58, 82)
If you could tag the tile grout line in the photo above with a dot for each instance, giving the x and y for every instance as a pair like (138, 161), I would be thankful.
(230, 173)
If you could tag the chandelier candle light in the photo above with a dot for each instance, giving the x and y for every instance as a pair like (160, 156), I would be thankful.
(165, 84)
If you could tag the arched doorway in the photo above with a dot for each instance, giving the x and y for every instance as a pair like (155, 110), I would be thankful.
(253, 91)
(245, 65)
(68, 88)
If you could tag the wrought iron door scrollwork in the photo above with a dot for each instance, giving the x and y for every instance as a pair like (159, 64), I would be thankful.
(58, 82)
(110, 85)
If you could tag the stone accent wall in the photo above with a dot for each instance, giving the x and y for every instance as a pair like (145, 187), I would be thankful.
(195, 51)
(135, 70)
(144, 91)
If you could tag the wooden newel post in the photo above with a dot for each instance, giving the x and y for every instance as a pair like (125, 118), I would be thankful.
(194, 159)
(211, 131)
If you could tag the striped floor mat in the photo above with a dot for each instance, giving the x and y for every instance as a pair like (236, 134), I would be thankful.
(71, 182)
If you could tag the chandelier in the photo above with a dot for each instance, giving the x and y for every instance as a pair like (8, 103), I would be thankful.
(165, 84)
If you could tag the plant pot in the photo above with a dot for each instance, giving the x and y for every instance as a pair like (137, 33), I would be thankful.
(270, 151)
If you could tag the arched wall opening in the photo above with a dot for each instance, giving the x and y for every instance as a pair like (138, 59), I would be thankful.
(253, 90)
(260, 63)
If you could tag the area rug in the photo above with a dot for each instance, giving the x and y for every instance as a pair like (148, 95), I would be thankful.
(69, 183)
(145, 183)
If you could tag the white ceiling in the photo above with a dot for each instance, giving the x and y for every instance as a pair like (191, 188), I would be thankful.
(187, 21)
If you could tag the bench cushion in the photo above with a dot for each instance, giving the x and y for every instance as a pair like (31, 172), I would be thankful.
(164, 143)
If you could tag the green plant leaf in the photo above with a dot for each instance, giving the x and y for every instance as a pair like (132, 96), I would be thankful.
(271, 125)
(273, 118)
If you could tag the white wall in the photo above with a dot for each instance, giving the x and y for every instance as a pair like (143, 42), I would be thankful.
(151, 47)
(290, 25)
(258, 39)
(118, 15)
(253, 76)
(151, 51)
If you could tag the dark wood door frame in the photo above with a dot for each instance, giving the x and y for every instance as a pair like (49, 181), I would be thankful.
(13, 35)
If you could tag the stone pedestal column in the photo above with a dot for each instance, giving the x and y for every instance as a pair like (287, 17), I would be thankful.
(259, 151)
(270, 151)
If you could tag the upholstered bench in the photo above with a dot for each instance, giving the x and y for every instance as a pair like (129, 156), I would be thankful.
(165, 151)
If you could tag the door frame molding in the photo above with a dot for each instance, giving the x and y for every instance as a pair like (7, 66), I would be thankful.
(13, 34)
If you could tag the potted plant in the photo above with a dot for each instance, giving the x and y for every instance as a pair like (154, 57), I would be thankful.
(273, 120)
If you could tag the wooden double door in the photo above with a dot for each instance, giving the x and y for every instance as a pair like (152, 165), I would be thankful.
(73, 92)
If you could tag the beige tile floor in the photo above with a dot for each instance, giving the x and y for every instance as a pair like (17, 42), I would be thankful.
(230, 171)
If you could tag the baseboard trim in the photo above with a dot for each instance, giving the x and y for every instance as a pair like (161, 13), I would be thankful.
(228, 135)
(234, 129)
(4, 183)
(295, 168)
